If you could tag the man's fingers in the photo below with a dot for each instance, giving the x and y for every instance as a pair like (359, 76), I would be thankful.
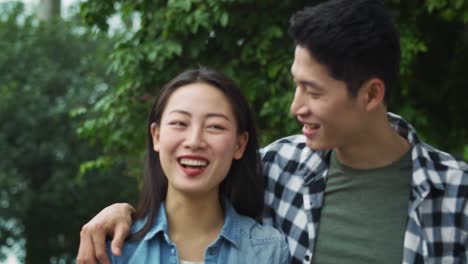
(86, 249)
(121, 232)
(122, 228)
(99, 242)
(114, 220)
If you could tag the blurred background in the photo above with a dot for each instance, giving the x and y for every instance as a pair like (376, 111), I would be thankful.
(77, 79)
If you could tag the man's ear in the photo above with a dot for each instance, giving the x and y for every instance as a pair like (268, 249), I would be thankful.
(372, 93)
(154, 129)
(241, 144)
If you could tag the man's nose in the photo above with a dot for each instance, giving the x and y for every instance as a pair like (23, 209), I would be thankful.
(297, 104)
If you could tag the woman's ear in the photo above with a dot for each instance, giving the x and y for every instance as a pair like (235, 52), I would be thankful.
(154, 129)
(241, 144)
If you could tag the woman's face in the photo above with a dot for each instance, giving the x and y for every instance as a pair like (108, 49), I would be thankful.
(197, 139)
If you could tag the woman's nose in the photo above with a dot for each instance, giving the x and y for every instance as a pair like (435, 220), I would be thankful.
(195, 138)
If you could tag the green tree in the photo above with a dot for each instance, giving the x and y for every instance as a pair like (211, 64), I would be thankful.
(48, 69)
(161, 38)
(248, 40)
(434, 56)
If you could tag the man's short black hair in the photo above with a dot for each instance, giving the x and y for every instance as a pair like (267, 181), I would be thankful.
(354, 39)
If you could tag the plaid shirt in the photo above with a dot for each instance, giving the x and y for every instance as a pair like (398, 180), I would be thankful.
(437, 227)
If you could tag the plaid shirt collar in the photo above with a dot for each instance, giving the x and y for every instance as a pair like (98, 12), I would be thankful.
(439, 182)
(423, 156)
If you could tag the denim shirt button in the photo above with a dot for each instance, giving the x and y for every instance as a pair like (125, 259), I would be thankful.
(211, 251)
(172, 250)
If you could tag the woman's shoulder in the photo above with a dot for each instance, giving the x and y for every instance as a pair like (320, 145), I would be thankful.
(245, 227)
(260, 233)
(136, 249)
(262, 243)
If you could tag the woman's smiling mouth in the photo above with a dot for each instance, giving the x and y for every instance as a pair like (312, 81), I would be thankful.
(193, 166)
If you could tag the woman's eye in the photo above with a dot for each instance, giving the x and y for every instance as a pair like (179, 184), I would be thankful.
(177, 123)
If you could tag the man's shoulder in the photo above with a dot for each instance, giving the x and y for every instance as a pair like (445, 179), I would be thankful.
(297, 139)
(432, 158)
(443, 170)
(286, 147)
(429, 161)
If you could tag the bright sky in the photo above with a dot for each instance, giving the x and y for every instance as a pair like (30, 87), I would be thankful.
(65, 4)
(12, 260)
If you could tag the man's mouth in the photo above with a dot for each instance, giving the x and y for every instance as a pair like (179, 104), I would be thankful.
(312, 126)
(310, 130)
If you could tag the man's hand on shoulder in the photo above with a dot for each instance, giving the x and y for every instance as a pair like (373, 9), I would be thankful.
(113, 221)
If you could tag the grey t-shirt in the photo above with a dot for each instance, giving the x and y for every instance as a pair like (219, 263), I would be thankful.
(364, 216)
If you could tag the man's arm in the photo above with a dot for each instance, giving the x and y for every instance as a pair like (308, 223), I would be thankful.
(114, 221)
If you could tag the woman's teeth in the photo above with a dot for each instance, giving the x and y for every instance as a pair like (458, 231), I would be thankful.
(193, 162)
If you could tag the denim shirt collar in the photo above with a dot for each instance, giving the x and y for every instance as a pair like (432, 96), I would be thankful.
(230, 231)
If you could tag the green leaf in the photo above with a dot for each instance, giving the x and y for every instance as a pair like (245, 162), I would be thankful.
(224, 20)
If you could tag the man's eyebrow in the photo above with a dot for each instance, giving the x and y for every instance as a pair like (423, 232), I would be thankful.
(309, 84)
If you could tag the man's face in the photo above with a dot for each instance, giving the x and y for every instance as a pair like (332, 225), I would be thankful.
(331, 117)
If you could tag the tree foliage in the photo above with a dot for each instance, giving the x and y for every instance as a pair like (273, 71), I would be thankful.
(54, 81)
(248, 40)
(46, 71)
(169, 36)
(434, 38)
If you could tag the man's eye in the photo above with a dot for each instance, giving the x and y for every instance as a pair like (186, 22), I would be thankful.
(312, 93)
(217, 127)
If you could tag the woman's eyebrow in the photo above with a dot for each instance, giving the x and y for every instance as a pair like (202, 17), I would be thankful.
(218, 115)
(183, 112)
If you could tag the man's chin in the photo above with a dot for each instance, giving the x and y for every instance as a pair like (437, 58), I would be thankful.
(317, 146)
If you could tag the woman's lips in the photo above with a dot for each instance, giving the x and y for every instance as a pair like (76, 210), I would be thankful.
(193, 171)
(193, 166)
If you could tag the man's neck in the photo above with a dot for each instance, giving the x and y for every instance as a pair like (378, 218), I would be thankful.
(379, 146)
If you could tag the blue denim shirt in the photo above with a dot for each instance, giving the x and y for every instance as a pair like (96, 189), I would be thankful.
(241, 240)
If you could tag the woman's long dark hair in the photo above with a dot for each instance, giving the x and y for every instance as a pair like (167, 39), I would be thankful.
(244, 184)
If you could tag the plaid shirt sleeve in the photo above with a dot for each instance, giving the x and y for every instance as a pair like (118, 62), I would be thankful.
(291, 205)
(437, 230)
